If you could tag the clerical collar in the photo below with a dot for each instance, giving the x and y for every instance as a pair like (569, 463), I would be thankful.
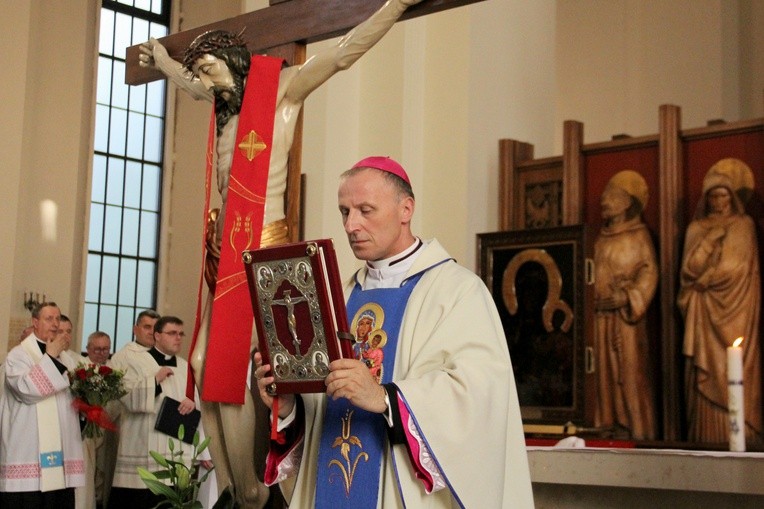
(162, 358)
(397, 259)
(390, 272)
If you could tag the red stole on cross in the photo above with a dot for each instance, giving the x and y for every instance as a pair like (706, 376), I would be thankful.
(227, 355)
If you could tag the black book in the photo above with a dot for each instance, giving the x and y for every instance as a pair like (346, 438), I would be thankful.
(169, 420)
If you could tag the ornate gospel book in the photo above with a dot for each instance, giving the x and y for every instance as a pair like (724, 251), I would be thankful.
(300, 313)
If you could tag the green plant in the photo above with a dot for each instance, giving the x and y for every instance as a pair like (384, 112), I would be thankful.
(184, 481)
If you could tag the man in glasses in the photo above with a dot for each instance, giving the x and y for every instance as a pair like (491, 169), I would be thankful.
(98, 348)
(153, 375)
(40, 446)
(97, 449)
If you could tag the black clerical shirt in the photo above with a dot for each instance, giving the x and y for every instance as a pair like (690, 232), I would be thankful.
(162, 360)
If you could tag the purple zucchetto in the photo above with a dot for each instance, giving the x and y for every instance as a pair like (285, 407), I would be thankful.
(384, 163)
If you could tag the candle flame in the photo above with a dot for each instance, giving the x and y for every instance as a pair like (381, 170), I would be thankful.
(737, 342)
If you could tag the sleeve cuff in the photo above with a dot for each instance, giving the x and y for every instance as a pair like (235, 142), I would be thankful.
(395, 431)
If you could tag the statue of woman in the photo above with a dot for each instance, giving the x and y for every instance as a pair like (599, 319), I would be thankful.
(626, 275)
(720, 301)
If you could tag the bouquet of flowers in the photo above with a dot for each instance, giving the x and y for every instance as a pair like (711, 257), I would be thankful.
(94, 386)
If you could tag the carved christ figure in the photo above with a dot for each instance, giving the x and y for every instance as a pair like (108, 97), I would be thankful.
(289, 302)
(215, 69)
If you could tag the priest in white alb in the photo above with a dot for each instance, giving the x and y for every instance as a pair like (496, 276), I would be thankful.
(40, 444)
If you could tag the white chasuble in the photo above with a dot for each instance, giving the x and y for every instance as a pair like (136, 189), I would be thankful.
(40, 446)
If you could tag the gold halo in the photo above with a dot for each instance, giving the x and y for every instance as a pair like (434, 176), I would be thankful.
(376, 309)
(383, 337)
(633, 183)
(739, 174)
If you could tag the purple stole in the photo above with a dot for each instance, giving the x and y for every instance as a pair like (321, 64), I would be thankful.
(353, 440)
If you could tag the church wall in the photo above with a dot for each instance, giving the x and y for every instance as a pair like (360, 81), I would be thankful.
(618, 61)
(54, 122)
(438, 115)
(442, 192)
(752, 58)
(511, 90)
(331, 138)
(14, 53)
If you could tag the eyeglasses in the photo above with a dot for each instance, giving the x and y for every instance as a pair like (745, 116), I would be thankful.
(102, 349)
(174, 333)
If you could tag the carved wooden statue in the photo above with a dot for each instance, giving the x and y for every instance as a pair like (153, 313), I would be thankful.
(626, 276)
(720, 301)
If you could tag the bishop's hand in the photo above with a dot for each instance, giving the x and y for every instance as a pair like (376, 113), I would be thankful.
(351, 379)
(264, 379)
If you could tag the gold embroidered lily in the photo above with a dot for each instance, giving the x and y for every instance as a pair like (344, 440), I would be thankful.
(345, 442)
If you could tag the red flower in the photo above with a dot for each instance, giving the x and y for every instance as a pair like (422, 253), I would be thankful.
(82, 374)
(104, 370)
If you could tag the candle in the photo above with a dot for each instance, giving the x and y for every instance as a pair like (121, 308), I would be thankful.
(735, 404)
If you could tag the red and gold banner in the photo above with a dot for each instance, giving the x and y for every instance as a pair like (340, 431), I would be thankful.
(230, 331)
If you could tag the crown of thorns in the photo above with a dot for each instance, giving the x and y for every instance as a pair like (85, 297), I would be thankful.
(209, 42)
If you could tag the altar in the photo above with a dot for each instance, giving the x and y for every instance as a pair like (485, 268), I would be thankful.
(629, 478)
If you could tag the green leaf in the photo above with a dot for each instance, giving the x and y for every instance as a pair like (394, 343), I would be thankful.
(184, 476)
(159, 458)
(181, 432)
(205, 476)
(171, 445)
(161, 489)
(203, 446)
(145, 474)
(195, 441)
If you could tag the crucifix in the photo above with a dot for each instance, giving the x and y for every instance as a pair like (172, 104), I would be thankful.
(208, 75)
(289, 303)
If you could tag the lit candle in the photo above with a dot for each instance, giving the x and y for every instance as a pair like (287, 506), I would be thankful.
(735, 404)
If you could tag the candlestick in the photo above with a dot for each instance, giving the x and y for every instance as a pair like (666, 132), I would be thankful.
(735, 404)
(33, 300)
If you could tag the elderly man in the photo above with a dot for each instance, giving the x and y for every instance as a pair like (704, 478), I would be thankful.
(40, 446)
(96, 452)
(443, 428)
(98, 348)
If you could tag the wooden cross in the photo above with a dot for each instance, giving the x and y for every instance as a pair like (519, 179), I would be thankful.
(284, 22)
(283, 30)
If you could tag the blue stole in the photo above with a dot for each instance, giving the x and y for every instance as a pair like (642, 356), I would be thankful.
(353, 440)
